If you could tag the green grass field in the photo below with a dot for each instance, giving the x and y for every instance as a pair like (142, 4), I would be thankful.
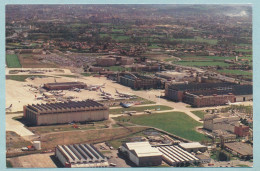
(244, 50)
(201, 63)
(8, 164)
(117, 37)
(139, 109)
(116, 68)
(70, 76)
(153, 46)
(198, 39)
(199, 113)
(177, 123)
(235, 72)
(12, 61)
(21, 78)
(117, 30)
(86, 74)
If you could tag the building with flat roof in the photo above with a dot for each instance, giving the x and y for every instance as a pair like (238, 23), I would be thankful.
(80, 155)
(241, 130)
(240, 149)
(193, 147)
(137, 81)
(58, 113)
(176, 156)
(208, 94)
(64, 85)
(218, 122)
(142, 154)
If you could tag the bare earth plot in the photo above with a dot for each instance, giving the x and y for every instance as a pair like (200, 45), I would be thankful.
(32, 161)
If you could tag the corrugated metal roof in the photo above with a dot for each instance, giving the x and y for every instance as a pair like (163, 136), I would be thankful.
(81, 153)
(192, 145)
(175, 154)
(65, 105)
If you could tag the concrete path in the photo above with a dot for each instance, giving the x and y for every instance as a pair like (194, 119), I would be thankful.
(119, 107)
(16, 126)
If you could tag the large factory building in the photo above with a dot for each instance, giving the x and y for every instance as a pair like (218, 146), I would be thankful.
(218, 122)
(208, 94)
(57, 113)
(64, 85)
(137, 81)
(80, 155)
(142, 154)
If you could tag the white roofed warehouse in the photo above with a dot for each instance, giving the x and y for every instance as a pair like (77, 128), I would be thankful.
(142, 154)
(58, 113)
(193, 147)
(80, 155)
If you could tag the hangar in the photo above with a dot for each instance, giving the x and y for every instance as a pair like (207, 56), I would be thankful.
(57, 113)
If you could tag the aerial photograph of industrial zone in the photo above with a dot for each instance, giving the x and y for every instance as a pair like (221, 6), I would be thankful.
(129, 86)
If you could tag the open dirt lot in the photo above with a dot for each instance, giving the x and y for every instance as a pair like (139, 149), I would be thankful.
(32, 161)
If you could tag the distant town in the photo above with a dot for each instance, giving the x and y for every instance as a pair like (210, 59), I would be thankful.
(129, 86)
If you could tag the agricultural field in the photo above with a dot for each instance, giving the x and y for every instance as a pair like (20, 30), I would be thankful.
(177, 123)
(202, 63)
(198, 39)
(12, 61)
(139, 109)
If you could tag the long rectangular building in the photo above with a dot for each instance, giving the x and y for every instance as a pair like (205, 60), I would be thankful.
(57, 113)
(208, 94)
(80, 155)
(137, 82)
(176, 156)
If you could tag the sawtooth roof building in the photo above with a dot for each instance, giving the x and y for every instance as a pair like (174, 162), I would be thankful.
(176, 156)
(57, 113)
(80, 155)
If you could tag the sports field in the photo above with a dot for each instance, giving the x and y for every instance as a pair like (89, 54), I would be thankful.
(12, 61)
(177, 123)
